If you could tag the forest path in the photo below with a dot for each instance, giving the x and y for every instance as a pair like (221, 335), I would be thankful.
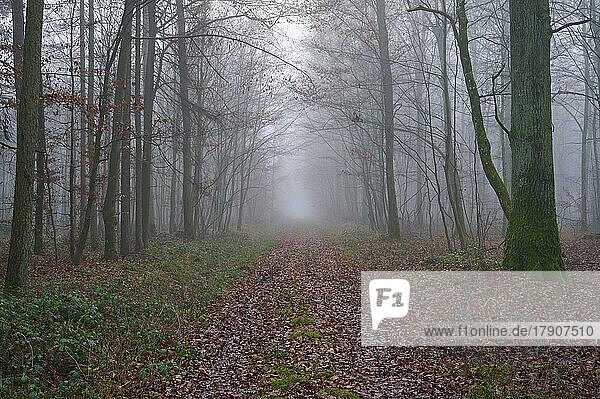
(291, 328)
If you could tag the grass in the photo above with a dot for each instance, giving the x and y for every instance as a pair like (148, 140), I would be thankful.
(348, 240)
(302, 320)
(494, 382)
(356, 243)
(276, 353)
(305, 332)
(106, 328)
(340, 393)
(287, 377)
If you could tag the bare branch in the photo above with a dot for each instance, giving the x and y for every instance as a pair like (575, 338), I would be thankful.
(441, 13)
(570, 24)
(7, 146)
(235, 39)
(502, 126)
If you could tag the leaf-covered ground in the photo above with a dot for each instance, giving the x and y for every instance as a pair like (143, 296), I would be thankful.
(244, 317)
(290, 328)
(107, 329)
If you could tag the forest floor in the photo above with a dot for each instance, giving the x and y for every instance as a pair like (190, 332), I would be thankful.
(290, 328)
(259, 316)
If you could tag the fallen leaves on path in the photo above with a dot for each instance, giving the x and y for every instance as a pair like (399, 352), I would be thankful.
(290, 328)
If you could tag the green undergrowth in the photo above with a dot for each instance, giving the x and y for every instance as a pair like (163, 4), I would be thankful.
(413, 252)
(351, 240)
(104, 332)
(495, 381)
(340, 393)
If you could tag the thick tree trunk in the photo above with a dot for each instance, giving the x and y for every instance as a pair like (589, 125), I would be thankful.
(18, 21)
(393, 224)
(532, 240)
(27, 134)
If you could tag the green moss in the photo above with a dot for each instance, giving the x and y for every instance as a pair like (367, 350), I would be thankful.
(305, 332)
(322, 374)
(495, 382)
(275, 353)
(287, 377)
(532, 245)
(302, 320)
(340, 393)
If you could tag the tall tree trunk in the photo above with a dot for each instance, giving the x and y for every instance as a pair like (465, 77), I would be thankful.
(149, 58)
(126, 169)
(584, 134)
(393, 224)
(483, 143)
(89, 216)
(173, 189)
(505, 115)
(40, 166)
(595, 29)
(72, 139)
(450, 162)
(532, 241)
(82, 115)
(120, 126)
(139, 243)
(18, 21)
(27, 134)
(90, 123)
(184, 79)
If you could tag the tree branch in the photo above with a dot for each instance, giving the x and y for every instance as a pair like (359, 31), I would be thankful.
(502, 126)
(175, 37)
(7, 146)
(441, 13)
(570, 24)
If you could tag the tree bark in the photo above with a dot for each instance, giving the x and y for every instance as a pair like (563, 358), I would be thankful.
(90, 125)
(18, 21)
(139, 242)
(584, 135)
(27, 134)
(532, 239)
(483, 144)
(149, 58)
(393, 224)
(450, 162)
(82, 116)
(184, 79)
(120, 126)
(40, 166)
(89, 217)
